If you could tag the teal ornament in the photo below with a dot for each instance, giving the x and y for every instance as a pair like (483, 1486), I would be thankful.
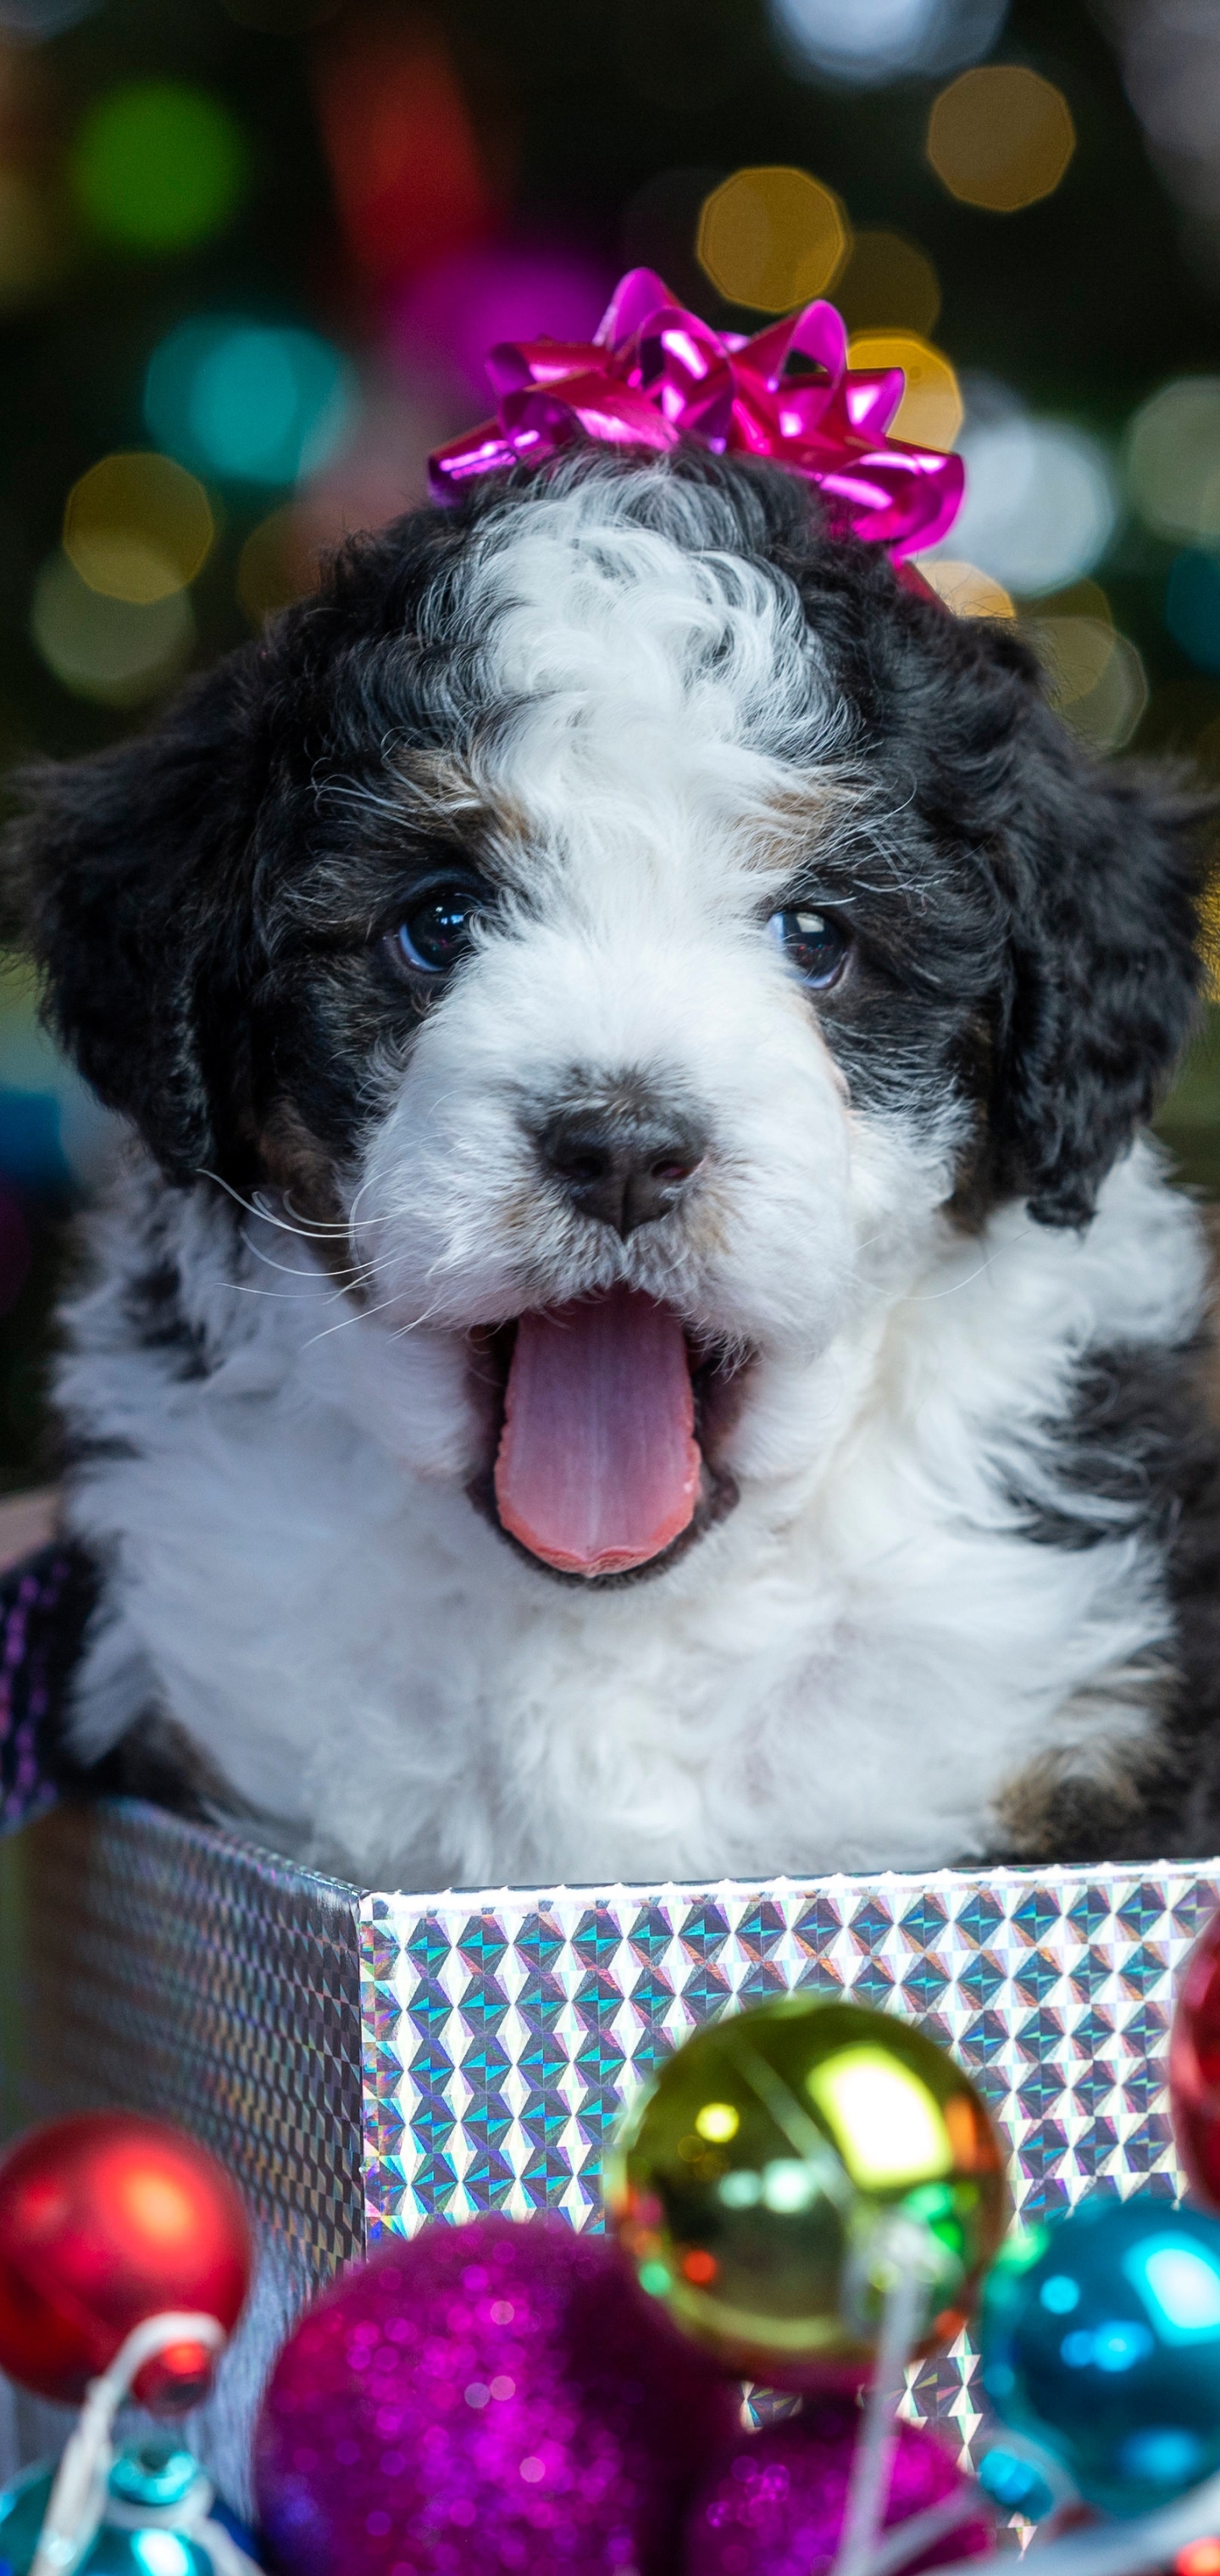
(1100, 2341)
(160, 2518)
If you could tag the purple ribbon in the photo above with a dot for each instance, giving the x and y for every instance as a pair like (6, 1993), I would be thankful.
(655, 375)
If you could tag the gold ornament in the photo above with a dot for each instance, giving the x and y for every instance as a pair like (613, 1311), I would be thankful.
(783, 2166)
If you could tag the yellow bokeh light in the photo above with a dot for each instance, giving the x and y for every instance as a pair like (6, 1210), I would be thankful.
(1080, 599)
(277, 565)
(772, 238)
(1074, 652)
(33, 240)
(964, 589)
(1095, 677)
(112, 650)
(888, 284)
(138, 527)
(1173, 460)
(930, 413)
(1001, 136)
(718, 2122)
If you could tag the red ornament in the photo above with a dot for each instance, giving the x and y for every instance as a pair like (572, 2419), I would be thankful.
(1194, 2067)
(106, 2219)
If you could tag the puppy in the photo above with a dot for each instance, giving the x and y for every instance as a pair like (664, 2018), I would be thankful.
(637, 1335)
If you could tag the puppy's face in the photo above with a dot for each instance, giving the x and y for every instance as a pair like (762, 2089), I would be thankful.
(633, 919)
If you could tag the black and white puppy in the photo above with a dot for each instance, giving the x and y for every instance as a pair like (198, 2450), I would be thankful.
(636, 1340)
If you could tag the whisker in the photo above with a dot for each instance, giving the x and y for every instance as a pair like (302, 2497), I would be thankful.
(362, 1312)
(264, 1213)
(348, 1269)
(399, 1335)
(957, 1284)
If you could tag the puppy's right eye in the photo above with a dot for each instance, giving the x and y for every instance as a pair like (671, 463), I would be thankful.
(436, 932)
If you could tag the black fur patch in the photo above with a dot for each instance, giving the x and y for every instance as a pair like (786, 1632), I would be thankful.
(1139, 1450)
(153, 1306)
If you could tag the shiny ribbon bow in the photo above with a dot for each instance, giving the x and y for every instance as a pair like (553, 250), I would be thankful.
(655, 375)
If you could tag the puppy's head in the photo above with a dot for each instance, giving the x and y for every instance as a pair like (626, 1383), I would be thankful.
(637, 920)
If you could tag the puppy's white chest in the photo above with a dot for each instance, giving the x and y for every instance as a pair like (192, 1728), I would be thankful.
(850, 1672)
(372, 1669)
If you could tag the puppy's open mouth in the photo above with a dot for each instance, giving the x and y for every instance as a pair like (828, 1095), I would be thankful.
(605, 1420)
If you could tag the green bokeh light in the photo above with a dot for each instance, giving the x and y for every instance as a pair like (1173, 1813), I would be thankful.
(159, 165)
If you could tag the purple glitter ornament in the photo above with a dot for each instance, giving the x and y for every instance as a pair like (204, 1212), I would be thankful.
(485, 2399)
(774, 2506)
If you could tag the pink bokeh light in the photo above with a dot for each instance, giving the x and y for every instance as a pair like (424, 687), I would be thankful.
(444, 322)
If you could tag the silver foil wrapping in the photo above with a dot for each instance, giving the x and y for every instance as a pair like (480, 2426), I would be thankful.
(365, 2061)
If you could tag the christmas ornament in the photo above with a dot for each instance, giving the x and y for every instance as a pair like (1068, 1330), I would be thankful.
(159, 2517)
(124, 2262)
(105, 2220)
(657, 376)
(776, 2502)
(484, 2398)
(1100, 2338)
(787, 2168)
(1194, 2067)
(1022, 2478)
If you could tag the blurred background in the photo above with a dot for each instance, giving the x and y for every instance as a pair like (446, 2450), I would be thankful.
(252, 252)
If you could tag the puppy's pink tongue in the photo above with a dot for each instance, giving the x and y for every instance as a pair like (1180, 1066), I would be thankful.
(598, 1468)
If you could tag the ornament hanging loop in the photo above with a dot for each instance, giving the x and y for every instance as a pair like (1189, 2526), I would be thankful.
(75, 2504)
(897, 2263)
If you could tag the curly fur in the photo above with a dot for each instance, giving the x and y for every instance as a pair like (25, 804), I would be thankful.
(964, 1600)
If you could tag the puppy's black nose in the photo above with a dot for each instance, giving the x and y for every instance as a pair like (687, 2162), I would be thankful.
(622, 1163)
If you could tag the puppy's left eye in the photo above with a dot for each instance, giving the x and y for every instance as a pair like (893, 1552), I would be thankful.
(816, 947)
(436, 932)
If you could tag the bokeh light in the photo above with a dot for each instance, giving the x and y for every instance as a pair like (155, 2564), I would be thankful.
(859, 42)
(138, 527)
(964, 588)
(445, 321)
(277, 564)
(1095, 677)
(30, 22)
(1192, 608)
(34, 241)
(772, 238)
(888, 284)
(53, 1128)
(930, 413)
(110, 650)
(250, 401)
(159, 165)
(280, 17)
(1173, 459)
(404, 156)
(1001, 137)
(1040, 506)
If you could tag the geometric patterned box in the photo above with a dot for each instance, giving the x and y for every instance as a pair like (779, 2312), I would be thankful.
(364, 2061)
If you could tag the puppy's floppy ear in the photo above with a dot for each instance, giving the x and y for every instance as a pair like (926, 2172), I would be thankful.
(1104, 870)
(124, 878)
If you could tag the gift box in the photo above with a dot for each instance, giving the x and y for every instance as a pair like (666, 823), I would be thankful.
(365, 2060)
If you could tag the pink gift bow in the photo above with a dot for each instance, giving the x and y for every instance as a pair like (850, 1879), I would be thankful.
(655, 374)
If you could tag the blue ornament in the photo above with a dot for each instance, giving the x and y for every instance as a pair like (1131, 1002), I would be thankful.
(160, 2518)
(1100, 2337)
